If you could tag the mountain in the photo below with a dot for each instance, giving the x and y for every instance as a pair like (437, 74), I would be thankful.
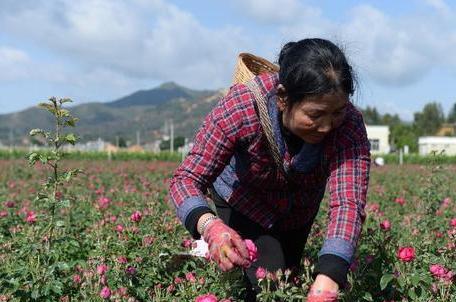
(145, 111)
(157, 96)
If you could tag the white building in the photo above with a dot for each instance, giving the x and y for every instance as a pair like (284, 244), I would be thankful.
(379, 138)
(428, 144)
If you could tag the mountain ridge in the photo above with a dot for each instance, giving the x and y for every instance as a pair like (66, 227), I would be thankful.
(145, 111)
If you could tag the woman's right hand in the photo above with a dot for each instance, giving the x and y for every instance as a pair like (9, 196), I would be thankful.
(226, 247)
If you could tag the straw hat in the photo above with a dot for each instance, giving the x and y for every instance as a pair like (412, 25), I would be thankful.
(248, 66)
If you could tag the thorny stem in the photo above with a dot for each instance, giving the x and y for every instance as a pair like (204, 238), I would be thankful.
(55, 168)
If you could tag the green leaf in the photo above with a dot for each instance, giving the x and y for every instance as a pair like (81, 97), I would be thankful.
(65, 100)
(42, 199)
(14, 282)
(64, 203)
(35, 294)
(42, 195)
(37, 131)
(60, 223)
(415, 279)
(412, 294)
(368, 297)
(63, 266)
(32, 158)
(401, 281)
(48, 107)
(385, 280)
(63, 113)
(70, 138)
(44, 158)
(71, 122)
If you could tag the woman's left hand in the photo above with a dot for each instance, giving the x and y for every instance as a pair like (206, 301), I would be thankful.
(324, 289)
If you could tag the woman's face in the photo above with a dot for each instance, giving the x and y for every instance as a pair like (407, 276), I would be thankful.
(313, 118)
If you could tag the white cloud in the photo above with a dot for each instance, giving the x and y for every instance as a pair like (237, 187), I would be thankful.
(153, 40)
(143, 39)
(14, 64)
(440, 6)
(400, 51)
(392, 51)
(388, 51)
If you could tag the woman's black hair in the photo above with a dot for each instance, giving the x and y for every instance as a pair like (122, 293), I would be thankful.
(312, 67)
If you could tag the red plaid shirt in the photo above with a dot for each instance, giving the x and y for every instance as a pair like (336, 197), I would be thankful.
(232, 130)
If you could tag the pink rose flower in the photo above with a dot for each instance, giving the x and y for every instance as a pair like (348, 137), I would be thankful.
(260, 273)
(136, 216)
(206, 298)
(31, 217)
(131, 271)
(186, 243)
(122, 291)
(374, 207)
(3, 213)
(122, 259)
(446, 202)
(252, 249)
(58, 195)
(10, 204)
(190, 276)
(385, 225)
(119, 228)
(453, 222)
(102, 269)
(103, 202)
(148, 240)
(437, 270)
(440, 272)
(400, 200)
(170, 288)
(105, 292)
(406, 254)
(77, 279)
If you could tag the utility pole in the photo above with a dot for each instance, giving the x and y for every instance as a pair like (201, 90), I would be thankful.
(11, 137)
(166, 128)
(138, 139)
(117, 141)
(171, 142)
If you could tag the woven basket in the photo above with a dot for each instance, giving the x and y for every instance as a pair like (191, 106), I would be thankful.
(248, 66)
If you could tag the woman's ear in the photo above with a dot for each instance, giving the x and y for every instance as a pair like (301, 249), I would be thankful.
(281, 97)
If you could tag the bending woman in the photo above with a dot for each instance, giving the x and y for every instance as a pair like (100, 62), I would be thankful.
(321, 138)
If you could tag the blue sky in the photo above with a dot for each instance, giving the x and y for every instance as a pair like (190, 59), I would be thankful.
(100, 50)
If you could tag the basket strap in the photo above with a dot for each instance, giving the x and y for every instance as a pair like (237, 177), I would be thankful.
(265, 121)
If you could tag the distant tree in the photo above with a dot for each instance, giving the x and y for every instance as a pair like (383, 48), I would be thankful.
(371, 116)
(430, 119)
(179, 141)
(452, 115)
(122, 142)
(390, 120)
(402, 135)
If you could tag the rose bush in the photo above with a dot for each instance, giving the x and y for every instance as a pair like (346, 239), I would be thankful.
(119, 240)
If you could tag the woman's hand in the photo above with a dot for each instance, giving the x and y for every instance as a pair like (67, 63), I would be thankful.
(324, 289)
(226, 247)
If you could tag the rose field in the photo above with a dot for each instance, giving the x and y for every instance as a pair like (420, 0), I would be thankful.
(111, 234)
